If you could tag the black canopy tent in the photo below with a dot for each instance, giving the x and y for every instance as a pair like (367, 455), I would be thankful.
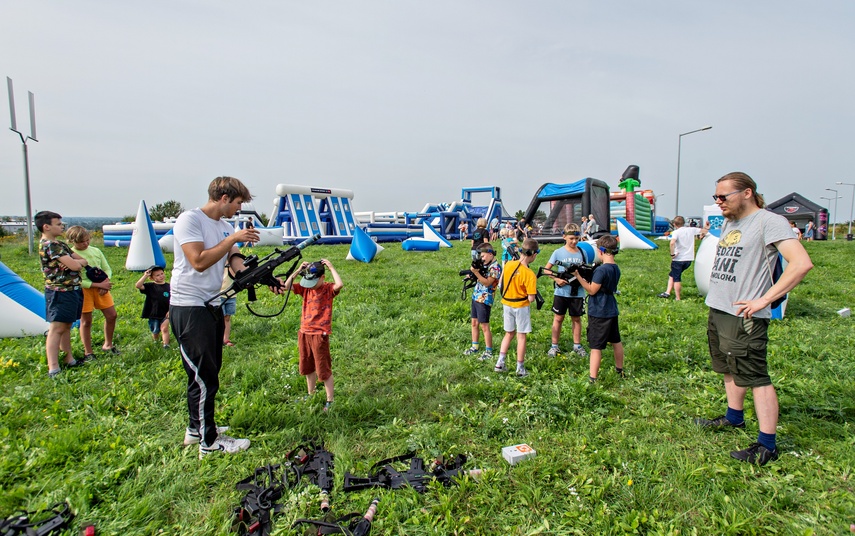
(801, 210)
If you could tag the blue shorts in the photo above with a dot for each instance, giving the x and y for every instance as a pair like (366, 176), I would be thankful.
(480, 312)
(230, 307)
(64, 306)
(677, 269)
(154, 324)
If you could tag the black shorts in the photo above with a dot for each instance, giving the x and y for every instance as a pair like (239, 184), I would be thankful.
(63, 306)
(480, 312)
(677, 269)
(562, 305)
(738, 347)
(602, 331)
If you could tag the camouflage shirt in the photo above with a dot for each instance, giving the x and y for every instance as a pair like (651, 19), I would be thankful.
(57, 275)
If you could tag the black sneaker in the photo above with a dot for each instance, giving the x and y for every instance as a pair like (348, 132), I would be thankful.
(718, 423)
(756, 453)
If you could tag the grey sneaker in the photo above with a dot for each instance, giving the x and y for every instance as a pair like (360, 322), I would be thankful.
(54, 373)
(664, 295)
(756, 453)
(486, 356)
(554, 352)
(191, 437)
(719, 423)
(522, 372)
(224, 443)
(500, 367)
(580, 351)
(471, 351)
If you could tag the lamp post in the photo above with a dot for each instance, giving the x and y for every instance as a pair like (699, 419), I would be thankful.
(849, 235)
(836, 197)
(830, 199)
(679, 150)
(24, 139)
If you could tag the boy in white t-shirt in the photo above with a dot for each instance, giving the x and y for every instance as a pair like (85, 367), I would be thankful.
(682, 253)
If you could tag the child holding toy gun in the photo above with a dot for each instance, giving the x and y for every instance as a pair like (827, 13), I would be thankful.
(569, 298)
(316, 323)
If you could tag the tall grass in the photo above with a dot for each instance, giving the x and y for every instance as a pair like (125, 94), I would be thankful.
(621, 456)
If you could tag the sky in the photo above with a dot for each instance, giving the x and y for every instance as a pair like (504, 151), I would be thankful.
(406, 102)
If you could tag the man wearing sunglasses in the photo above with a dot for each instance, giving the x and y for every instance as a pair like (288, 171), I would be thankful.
(740, 293)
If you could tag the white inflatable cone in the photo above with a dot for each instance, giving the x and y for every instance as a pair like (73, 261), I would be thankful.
(144, 250)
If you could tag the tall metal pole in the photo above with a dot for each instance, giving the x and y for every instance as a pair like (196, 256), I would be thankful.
(32, 136)
(679, 150)
(851, 207)
(834, 226)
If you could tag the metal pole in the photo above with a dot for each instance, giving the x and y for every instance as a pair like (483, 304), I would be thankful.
(27, 199)
(32, 136)
(679, 150)
(836, 197)
(851, 207)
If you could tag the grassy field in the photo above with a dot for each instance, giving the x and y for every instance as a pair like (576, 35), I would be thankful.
(620, 456)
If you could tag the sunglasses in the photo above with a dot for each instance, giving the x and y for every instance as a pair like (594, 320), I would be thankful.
(723, 198)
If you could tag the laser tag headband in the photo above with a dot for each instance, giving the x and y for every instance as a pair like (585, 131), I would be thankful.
(609, 251)
(312, 275)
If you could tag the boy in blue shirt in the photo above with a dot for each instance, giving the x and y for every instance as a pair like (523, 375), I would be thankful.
(602, 307)
(569, 297)
(482, 301)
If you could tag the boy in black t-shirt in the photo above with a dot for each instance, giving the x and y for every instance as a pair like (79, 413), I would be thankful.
(156, 306)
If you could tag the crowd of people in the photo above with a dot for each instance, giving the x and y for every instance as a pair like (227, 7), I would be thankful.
(742, 288)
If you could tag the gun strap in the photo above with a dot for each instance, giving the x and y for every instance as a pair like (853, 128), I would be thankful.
(20, 524)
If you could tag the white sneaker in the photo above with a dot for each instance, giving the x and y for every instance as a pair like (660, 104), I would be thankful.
(224, 443)
(580, 351)
(191, 437)
(554, 352)
(522, 372)
(500, 367)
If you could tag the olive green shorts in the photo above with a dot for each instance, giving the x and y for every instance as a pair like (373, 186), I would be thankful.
(738, 347)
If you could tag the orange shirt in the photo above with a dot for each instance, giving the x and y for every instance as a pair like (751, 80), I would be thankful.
(317, 308)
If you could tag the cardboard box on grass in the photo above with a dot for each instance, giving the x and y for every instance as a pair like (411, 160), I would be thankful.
(517, 453)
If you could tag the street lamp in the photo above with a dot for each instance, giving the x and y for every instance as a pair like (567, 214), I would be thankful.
(679, 149)
(849, 235)
(836, 197)
(830, 199)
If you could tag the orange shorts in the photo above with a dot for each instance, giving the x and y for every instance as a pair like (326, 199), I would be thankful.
(92, 299)
(315, 355)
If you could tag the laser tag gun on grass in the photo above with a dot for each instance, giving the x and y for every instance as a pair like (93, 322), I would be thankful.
(469, 279)
(254, 515)
(314, 462)
(357, 524)
(384, 475)
(50, 521)
(259, 272)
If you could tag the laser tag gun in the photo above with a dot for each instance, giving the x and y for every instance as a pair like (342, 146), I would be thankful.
(259, 272)
(316, 463)
(384, 475)
(357, 524)
(585, 270)
(469, 279)
(514, 251)
(50, 521)
(254, 515)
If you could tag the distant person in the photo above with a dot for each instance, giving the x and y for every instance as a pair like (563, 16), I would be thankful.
(96, 294)
(479, 236)
(156, 306)
(510, 248)
(482, 301)
(682, 246)
(494, 229)
(569, 297)
(205, 244)
(809, 231)
(593, 227)
(63, 294)
(603, 326)
(316, 323)
(583, 228)
(518, 291)
(464, 230)
(796, 231)
(740, 293)
(521, 231)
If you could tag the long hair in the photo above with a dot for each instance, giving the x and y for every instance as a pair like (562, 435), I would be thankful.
(743, 182)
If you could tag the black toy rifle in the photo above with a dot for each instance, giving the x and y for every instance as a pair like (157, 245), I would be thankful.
(253, 516)
(259, 272)
(22, 525)
(358, 524)
(585, 270)
(316, 463)
(384, 475)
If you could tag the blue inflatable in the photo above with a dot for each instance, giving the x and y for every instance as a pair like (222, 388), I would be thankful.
(363, 248)
(419, 244)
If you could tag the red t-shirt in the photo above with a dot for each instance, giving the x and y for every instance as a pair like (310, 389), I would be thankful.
(317, 308)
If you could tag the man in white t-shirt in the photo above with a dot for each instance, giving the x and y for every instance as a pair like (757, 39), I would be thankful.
(206, 244)
(682, 254)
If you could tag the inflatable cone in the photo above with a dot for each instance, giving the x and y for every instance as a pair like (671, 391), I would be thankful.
(144, 250)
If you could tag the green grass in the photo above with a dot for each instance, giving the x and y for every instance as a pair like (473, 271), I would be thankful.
(621, 456)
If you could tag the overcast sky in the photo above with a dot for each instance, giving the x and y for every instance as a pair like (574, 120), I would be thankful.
(405, 102)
